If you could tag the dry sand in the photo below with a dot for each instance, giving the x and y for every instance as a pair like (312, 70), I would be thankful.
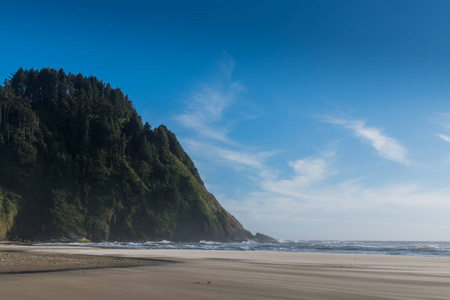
(185, 274)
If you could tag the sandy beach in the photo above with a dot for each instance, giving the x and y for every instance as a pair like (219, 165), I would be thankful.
(197, 274)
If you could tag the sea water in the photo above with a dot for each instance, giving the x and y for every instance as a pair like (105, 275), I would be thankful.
(439, 249)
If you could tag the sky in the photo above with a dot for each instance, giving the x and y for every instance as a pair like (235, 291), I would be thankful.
(308, 120)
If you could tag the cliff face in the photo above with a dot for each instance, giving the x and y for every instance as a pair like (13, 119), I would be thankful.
(76, 161)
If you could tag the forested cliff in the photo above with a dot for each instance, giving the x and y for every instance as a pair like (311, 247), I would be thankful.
(76, 161)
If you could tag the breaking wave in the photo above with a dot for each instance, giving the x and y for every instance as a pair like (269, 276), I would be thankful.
(440, 249)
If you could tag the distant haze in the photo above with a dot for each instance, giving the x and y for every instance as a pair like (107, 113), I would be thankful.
(306, 119)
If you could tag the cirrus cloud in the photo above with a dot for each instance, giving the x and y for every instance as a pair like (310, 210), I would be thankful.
(386, 146)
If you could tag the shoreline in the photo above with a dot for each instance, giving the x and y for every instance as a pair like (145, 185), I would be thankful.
(221, 274)
(396, 248)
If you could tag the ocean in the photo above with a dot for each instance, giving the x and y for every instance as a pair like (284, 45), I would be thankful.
(436, 249)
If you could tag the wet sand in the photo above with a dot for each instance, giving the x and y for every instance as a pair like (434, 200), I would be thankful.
(197, 274)
(16, 261)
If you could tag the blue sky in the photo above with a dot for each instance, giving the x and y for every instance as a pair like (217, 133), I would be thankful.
(306, 119)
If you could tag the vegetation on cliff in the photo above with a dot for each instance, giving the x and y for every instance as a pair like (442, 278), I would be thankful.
(76, 161)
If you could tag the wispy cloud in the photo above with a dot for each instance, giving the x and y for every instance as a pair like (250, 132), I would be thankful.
(386, 146)
(207, 104)
(442, 119)
(308, 171)
(205, 108)
(206, 117)
(237, 159)
(444, 137)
